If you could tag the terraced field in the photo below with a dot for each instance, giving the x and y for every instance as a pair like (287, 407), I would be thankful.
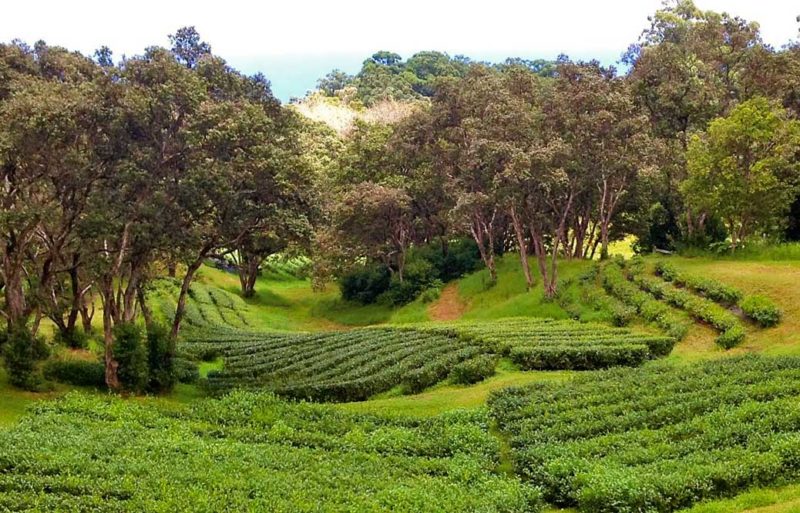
(333, 366)
(659, 438)
(250, 452)
(357, 364)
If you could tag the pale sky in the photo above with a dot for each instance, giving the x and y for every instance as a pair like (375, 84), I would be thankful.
(295, 42)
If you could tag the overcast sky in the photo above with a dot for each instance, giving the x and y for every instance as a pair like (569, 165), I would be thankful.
(295, 42)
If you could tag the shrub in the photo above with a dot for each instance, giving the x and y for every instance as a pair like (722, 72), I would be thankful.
(658, 438)
(458, 258)
(474, 370)
(418, 275)
(364, 285)
(160, 363)
(426, 267)
(731, 337)
(431, 294)
(185, 371)
(761, 310)
(76, 372)
(666, 271)
(622, 314)
(74, 338)
(22, 352)
(130, 352)
(584, 357)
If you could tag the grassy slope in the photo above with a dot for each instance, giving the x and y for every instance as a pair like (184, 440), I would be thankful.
(292, 305)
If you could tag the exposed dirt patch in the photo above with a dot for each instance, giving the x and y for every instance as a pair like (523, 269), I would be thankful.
(449, 306)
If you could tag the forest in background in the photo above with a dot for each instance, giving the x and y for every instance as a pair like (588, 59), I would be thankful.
(117, 173)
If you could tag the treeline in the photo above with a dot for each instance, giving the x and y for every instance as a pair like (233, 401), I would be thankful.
(114, 174)
(695, 145)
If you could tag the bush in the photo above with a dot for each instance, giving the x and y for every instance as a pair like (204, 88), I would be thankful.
(431, 294)
(160, 363)
(731, 337)
(459, 258)
(426, 267)
(418, 275)
(22, 352)
(622, 314)
(658, 438)
(761, 310)
(130, 352)
(588, 357)
(74, 338)
(364, 285)
(474, 370)
(76, 372)
(185, 371)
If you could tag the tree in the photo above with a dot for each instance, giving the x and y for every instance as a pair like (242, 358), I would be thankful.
(744, 167)
(188, 47)
(334, 81)
(689, 67)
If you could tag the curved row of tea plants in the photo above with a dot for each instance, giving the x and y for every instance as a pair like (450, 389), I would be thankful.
(617, 285)
(658, 438)
(250, 452)
(731, 329)
(334, 366)
(757, 308)
(545, 344)
(206, 306)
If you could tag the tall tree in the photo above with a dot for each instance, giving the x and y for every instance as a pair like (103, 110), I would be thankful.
(745, 168)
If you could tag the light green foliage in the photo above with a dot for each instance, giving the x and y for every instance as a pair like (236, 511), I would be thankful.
(743, 168)
(617, 285)
(659, 438)
(761, 310)
(710, 288)
(705, 310)
(251, 453)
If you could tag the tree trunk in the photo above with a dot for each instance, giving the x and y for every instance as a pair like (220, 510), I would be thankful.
(487, 255)
(87, 313)
(248, 273)
(107, 293)
(603, 240)
(146, 313)
(15, 298)
(180, 309)
(523, 248)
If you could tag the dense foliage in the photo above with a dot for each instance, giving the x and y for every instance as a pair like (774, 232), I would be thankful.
(332, 366)
(427, 267)
(659, 438)
(354, 365)
(115, 173)
(544, 344)
(250, 453)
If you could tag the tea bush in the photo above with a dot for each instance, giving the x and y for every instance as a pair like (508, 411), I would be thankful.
(658, 438)
(251, 452)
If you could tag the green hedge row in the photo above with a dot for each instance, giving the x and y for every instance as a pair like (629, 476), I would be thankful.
(757, 308)
(732, 331)
(658, 438)
(616, 284)
(584, 357)
(761, 310)
(474, 370)
(76, 372)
